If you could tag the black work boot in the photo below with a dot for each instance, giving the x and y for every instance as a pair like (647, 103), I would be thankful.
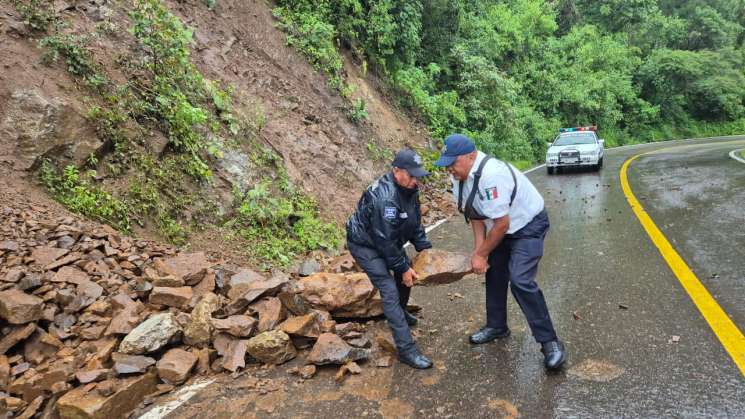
(410, 318)
(554, 354)
(415, 359)
(488, 334)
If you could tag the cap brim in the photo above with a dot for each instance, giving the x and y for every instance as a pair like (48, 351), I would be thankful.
(445, 161)
(418, 172)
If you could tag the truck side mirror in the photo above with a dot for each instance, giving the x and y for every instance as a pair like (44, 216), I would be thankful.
(602, 142)
(549, 143)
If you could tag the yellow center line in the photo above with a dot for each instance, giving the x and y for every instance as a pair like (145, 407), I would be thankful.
(727, 332)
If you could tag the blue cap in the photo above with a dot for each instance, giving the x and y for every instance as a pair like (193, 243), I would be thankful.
(455, 145)
(409, 160)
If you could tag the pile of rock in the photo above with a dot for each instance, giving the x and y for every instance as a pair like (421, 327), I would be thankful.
(91, 321)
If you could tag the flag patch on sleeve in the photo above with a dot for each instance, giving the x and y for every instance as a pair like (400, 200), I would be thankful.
(491, 193)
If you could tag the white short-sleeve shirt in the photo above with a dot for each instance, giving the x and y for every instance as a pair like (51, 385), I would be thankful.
(495, 190)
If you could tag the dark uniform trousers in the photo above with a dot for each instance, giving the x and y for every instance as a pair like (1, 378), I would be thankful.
(393, 292)
(515, 262)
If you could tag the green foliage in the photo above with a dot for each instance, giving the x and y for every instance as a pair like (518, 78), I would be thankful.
(75, 191)
(281, 224)
(510, 73)
(358, 110)
(177, 85)
(378, 153)
(77, 57)
(39, 14)
(314, 37)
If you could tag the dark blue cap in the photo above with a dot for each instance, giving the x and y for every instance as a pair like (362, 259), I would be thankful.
(455, 145)
(409, 160)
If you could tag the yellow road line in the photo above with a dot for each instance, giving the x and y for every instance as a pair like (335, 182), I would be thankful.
(729, 335)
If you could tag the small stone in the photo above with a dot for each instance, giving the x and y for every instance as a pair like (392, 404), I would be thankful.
(15, 274)
(175, 366)
(125, 396)
(309, 267)
(304, 326)
(271, 313)
(178, 297)
(90, 376)
(307, 372)
(46, 255)
(151, 335)
(349, 367)
(70, 274)
(17, 307)
(17, 334)
(131, 364)
(199, 330)
(383, 361)
(331, 349)
(238, 326)
(274, 347)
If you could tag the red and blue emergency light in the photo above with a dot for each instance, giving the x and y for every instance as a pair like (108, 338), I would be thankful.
(587, 128)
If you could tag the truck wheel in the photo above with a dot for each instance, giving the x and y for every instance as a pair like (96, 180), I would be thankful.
(550, 170)
(599, 165)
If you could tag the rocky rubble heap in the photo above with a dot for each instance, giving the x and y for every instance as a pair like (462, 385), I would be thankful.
(91, 322)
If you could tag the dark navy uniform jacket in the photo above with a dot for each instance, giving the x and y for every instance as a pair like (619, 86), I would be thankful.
(387, 217)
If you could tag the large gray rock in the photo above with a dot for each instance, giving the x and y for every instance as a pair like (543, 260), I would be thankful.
(436, 267)
(151, 335)
(37, 126)
(331, 349)
(342, 295)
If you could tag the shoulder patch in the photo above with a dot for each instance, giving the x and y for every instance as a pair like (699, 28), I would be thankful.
(390, 213)
(491, 193)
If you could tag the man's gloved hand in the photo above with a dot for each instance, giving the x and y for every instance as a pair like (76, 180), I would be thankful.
(409, 277)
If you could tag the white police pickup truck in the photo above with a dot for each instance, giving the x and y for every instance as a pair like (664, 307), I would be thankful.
(575, 147)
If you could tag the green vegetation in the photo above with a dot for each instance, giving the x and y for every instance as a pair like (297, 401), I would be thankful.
(76, 55)
(282, 225)
(510, 73)
(39, 14)
(166, 182)
(77, 193)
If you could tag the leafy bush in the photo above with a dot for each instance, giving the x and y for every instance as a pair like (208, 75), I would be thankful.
(281, 226)
(77, 193)
(77, 57)
(38, 14)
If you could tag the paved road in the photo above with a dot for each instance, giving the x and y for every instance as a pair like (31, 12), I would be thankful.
(638, 345)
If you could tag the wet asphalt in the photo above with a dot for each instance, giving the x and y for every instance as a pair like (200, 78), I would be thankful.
(638, 347)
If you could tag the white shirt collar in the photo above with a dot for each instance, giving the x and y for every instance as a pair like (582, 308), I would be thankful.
(479, 157)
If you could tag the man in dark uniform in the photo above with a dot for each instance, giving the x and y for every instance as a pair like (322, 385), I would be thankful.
(509, 223)
(387, 217)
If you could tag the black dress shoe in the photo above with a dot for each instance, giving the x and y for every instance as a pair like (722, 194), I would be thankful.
(415, 359)
(410, 318)
(488, 334)
(554, 354)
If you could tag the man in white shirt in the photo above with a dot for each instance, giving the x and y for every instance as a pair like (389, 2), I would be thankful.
(509, 224)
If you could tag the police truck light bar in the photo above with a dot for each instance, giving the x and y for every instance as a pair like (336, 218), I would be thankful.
(588, 128)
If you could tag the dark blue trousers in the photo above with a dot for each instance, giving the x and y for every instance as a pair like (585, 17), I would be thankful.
(514, 263)
(393, 292)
